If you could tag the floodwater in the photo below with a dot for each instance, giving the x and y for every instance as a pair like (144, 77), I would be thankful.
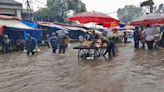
(130, 71)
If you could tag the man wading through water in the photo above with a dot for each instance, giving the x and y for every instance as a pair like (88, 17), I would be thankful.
(61, 42)
(136, 36)
(30, 44)
(149, 36)
(6, 44)
(53, 41)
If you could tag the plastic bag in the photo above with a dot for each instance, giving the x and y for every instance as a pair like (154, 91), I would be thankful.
(69, 45)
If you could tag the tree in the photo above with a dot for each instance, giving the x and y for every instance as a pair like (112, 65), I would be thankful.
(129, 13)
(159, 9)
(57, 10)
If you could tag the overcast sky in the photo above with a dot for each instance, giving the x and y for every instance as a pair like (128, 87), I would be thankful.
(105, 6)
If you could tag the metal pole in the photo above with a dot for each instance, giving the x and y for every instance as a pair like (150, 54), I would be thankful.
(151, 6)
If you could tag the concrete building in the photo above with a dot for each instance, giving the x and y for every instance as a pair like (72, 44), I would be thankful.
(10, 7)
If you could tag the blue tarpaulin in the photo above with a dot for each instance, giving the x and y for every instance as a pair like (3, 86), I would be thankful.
(74, 34)
(30, 23)
(16, 33)
(48, 29)
(122, 25)
(53, 29)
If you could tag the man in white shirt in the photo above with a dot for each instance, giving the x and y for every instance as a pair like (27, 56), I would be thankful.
(149, 36)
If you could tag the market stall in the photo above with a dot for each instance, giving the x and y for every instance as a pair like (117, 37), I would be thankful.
(94, 48)
(95, 45)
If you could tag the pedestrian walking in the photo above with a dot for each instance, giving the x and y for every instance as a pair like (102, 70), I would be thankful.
(136, 36)
(161, 38)
(62, 43)
(53, 41)
(20, 43)
(149, 36)
(110, 48)
(6, 44)
(142, 37)
(157, 36)
(125, 37)
(31, 44)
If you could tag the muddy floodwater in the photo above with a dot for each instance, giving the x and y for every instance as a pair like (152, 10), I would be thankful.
(130, 71)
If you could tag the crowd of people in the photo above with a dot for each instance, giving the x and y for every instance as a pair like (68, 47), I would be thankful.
(30, 44)
(59, 42)
(152, 36)
(103, 40)
(20, 44)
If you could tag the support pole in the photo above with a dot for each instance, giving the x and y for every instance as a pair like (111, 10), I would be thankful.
(151, 6)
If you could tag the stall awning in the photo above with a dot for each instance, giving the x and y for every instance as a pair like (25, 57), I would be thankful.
(30, 23)
(74, 28)
(1, 30)
(48, 24)
(14, 23)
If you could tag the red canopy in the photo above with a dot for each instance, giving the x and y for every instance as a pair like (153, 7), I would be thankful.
(98, 17)
(152, 18)
(9, 17)
(1, 29)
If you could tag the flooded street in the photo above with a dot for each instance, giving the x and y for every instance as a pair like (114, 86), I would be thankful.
(130, 71)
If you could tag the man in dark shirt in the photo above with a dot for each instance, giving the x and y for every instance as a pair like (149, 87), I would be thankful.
(110, 48)
(30, 44)
(136, 37)
(62, 43)
(53, 42)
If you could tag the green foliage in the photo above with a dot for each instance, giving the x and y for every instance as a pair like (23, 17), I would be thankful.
(57, 10)
(129, 13)
(159, 9)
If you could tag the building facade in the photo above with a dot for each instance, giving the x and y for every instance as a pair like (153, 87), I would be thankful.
(10, 8)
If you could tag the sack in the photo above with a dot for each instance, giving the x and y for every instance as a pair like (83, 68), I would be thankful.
(86, 43)
(24, 50)
(104, 45)
(37, 50)
(69, 45)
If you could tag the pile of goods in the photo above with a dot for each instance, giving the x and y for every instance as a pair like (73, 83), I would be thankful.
(95, 43)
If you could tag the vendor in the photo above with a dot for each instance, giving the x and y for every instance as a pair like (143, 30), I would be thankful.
(104, 42)
(97, 36)
(110, 48)
(92, 35)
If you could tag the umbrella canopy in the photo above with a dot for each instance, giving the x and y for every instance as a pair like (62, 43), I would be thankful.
(62, 32)
(98, 17)
(152, 18)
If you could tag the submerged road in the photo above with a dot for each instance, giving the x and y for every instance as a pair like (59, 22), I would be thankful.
(130, 71)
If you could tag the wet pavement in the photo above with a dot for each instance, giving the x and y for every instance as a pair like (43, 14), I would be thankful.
(130, 71)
